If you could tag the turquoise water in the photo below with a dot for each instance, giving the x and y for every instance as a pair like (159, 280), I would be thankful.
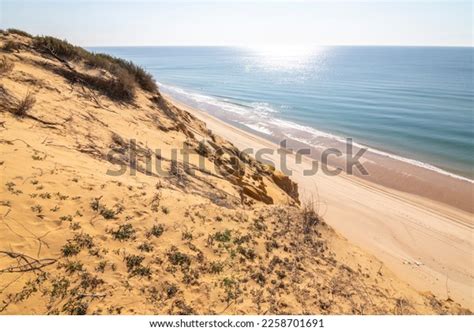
(411, 102)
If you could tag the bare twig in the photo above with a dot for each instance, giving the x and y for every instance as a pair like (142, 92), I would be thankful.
(25, 263)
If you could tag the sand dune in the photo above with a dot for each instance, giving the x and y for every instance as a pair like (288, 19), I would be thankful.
(219, 233)
(426, 243)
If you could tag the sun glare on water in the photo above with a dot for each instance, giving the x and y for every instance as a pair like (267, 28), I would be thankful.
(285, 57)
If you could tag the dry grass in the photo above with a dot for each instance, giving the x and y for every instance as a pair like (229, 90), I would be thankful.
(24, 105)
(6, 66)
(11, 46)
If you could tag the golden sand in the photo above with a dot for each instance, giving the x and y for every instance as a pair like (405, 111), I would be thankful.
(226, 237)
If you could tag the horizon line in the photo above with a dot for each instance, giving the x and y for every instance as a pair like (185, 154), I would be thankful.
(290, 45)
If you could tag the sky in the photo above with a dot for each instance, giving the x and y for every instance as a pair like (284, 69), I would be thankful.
(244, 23)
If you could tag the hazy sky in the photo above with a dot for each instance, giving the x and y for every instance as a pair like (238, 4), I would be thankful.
(155, 22)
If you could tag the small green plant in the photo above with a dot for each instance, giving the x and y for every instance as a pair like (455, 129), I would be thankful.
(124, 232)
(11, 188)
(216, 267)
(66, 218)
(107, 213)
(84, 240)
(101, 267)
(248, 253)
(60, 287)
(75, 307)
(103, 210)
(171, 290)
(177, 258)
(146, 247)
(70, 249)
(135, 267)
(37, 209)
(224, 236)
(45, 195)
(73, 266)
(156, 231)
(187, 235)
(75, 226)
(231, 288)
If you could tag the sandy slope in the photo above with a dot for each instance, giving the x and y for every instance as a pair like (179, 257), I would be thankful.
(428, 244)
(218, 234)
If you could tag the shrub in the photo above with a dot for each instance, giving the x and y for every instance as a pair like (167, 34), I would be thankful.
(115, 65)
(59, 48)
(19, 32)
(216, 267)
(24, 105)
(124, 232)
(84, 240)
(6, 66)
(146, 247)
(133, 261)
(202, 149)
(11, 46)
(223, 236)
(73, 266)
(310, 218)
(134, 266)
(178, 258)
(126, 72)
(70, 249)
(156, 230)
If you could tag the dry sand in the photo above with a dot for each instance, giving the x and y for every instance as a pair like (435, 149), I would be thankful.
(426, 243)
(223, 237)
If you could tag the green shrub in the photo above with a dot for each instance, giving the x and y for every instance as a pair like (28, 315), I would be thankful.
(19, 32)
(126, 72)
(222, 236)
(156, 230)
(70, 249)
(135, 267)
(59, 48)
(124, 232)
(178, 258)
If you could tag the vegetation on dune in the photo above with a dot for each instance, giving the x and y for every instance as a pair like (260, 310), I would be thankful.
(126, 76)
(19, 32)
(6, 66)
(124, 71)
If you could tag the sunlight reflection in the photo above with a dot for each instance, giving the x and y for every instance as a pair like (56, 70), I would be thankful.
(285, 57)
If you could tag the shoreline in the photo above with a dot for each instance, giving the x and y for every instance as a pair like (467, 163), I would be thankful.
(426, 243)
(384, 168)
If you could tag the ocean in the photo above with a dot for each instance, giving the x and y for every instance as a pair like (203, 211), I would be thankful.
(411, 103)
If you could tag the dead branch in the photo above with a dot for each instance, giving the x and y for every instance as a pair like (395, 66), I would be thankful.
(25, 263)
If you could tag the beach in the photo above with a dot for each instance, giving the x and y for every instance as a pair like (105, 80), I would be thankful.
(425, 239)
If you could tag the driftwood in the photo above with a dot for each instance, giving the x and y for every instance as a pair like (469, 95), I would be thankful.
(25, 263)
